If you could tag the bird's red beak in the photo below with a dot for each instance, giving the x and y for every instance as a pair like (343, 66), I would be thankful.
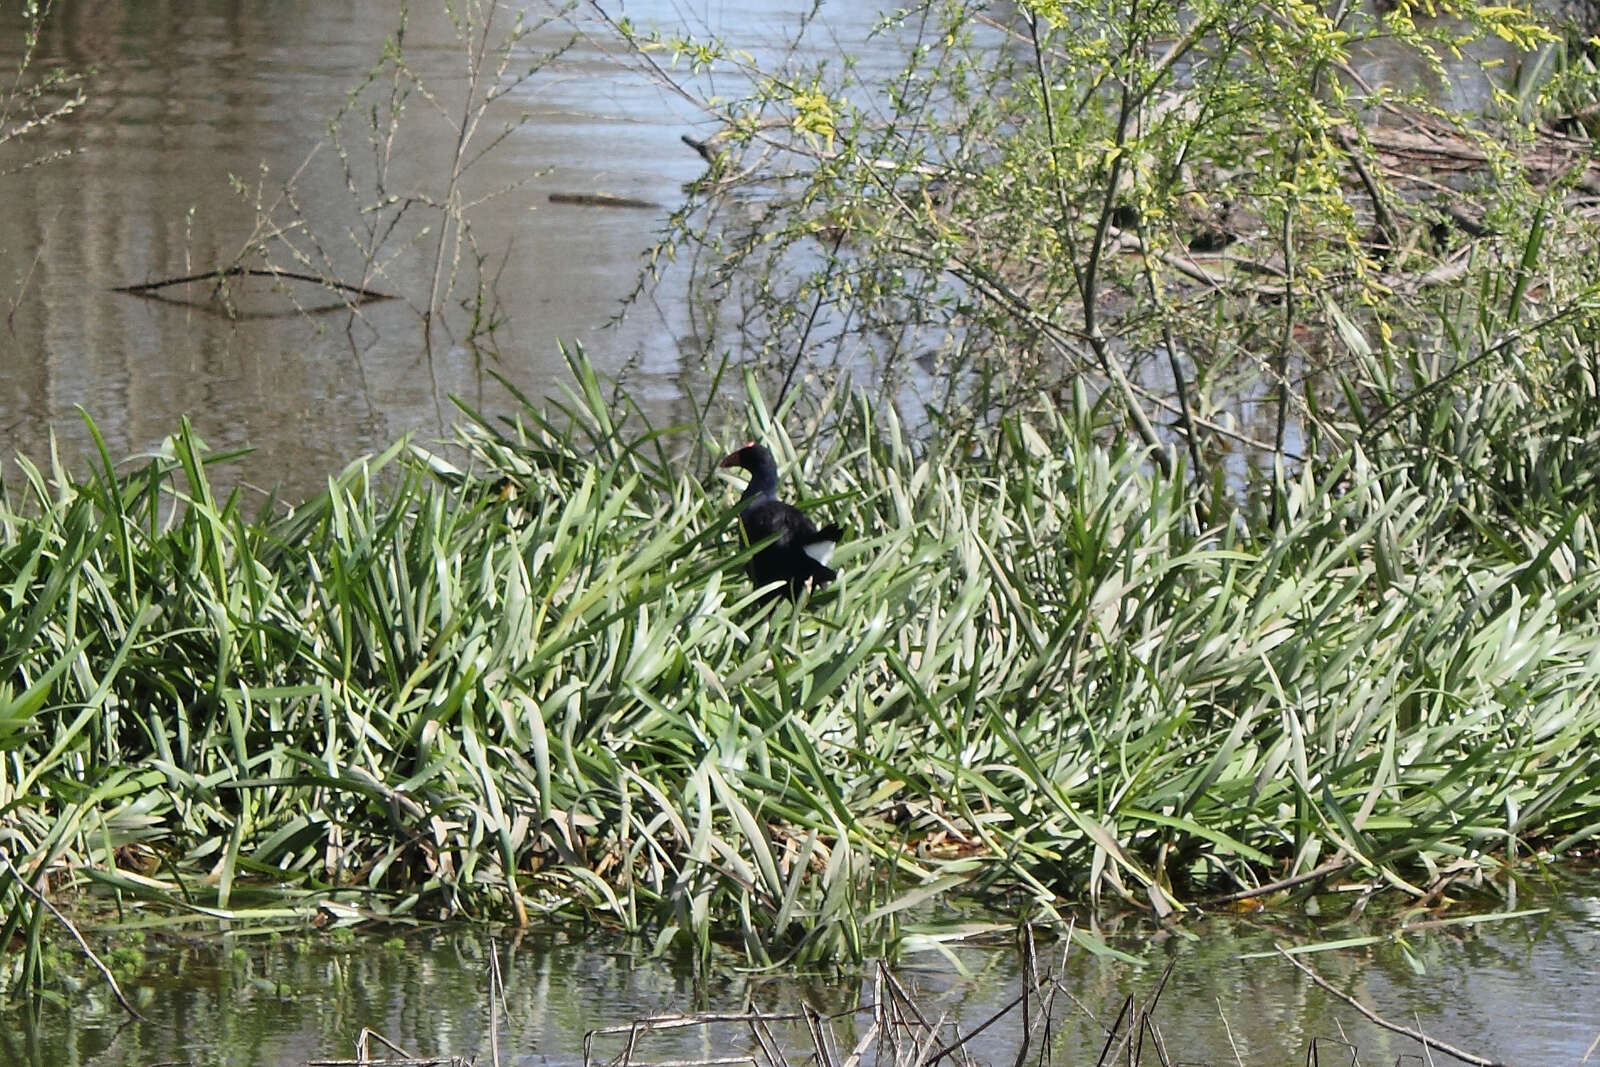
(732, 459)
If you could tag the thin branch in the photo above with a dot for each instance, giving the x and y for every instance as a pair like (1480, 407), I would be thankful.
(1280, 428)
(1327, 870)
(255, 272)
(105, 971)
(1088, 284)
(1180, 380)
(811, 320)
(1372, 1016)
(1380, 210)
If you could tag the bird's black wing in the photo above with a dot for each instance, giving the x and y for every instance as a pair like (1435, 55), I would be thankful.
(793, 557)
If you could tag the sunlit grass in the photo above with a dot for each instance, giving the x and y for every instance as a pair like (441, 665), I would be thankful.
(535, 683)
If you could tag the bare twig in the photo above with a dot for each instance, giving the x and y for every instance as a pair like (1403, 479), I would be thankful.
(961, 1040)
(677, 1022)
(1088, 273)
(811, 321)
(1380, 210)
(401, 1058)
(1327, 870)
(1228, 1030)
(497, 992)
(105, 972)
(1147, 1013)
(255, 272)
(1030, 983)
(1372, 1016)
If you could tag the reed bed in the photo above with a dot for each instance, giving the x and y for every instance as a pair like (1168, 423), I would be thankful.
(533, 684)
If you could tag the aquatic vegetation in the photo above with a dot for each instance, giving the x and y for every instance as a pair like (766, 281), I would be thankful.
(532, 682)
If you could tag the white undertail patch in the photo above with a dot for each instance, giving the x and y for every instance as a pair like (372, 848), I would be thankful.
(820, 551)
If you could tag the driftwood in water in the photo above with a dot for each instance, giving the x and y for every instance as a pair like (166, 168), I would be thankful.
(362, 293)
(602, 200)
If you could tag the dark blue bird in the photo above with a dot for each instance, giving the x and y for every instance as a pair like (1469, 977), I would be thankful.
(799, 552)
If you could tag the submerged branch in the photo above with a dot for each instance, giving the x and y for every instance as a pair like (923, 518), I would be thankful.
(99, 964)
(361, 291)
(1372, 1016)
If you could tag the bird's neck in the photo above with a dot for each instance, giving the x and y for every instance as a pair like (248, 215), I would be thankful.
(763, 484)
(756, 494)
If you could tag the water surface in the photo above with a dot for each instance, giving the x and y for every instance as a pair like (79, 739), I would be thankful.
(1521, 991)
(197, 114)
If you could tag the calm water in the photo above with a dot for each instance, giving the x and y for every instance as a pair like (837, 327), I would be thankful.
(187, 99)
(198, 111)
(1523, 991)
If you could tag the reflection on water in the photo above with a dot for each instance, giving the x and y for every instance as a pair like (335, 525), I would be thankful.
(196, 114)
(1519, 990)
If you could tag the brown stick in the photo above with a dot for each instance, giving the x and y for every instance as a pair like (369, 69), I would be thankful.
(1380, 212)
(1430, 1042)
(1332, 867)
(256, 272)
(105, 972)
(601, 200)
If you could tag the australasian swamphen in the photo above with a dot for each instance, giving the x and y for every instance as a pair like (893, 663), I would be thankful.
(799, 552)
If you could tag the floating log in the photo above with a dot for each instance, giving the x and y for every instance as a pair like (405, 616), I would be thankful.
(602, 200)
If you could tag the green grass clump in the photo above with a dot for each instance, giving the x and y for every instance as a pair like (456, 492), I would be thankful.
(537, 685)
